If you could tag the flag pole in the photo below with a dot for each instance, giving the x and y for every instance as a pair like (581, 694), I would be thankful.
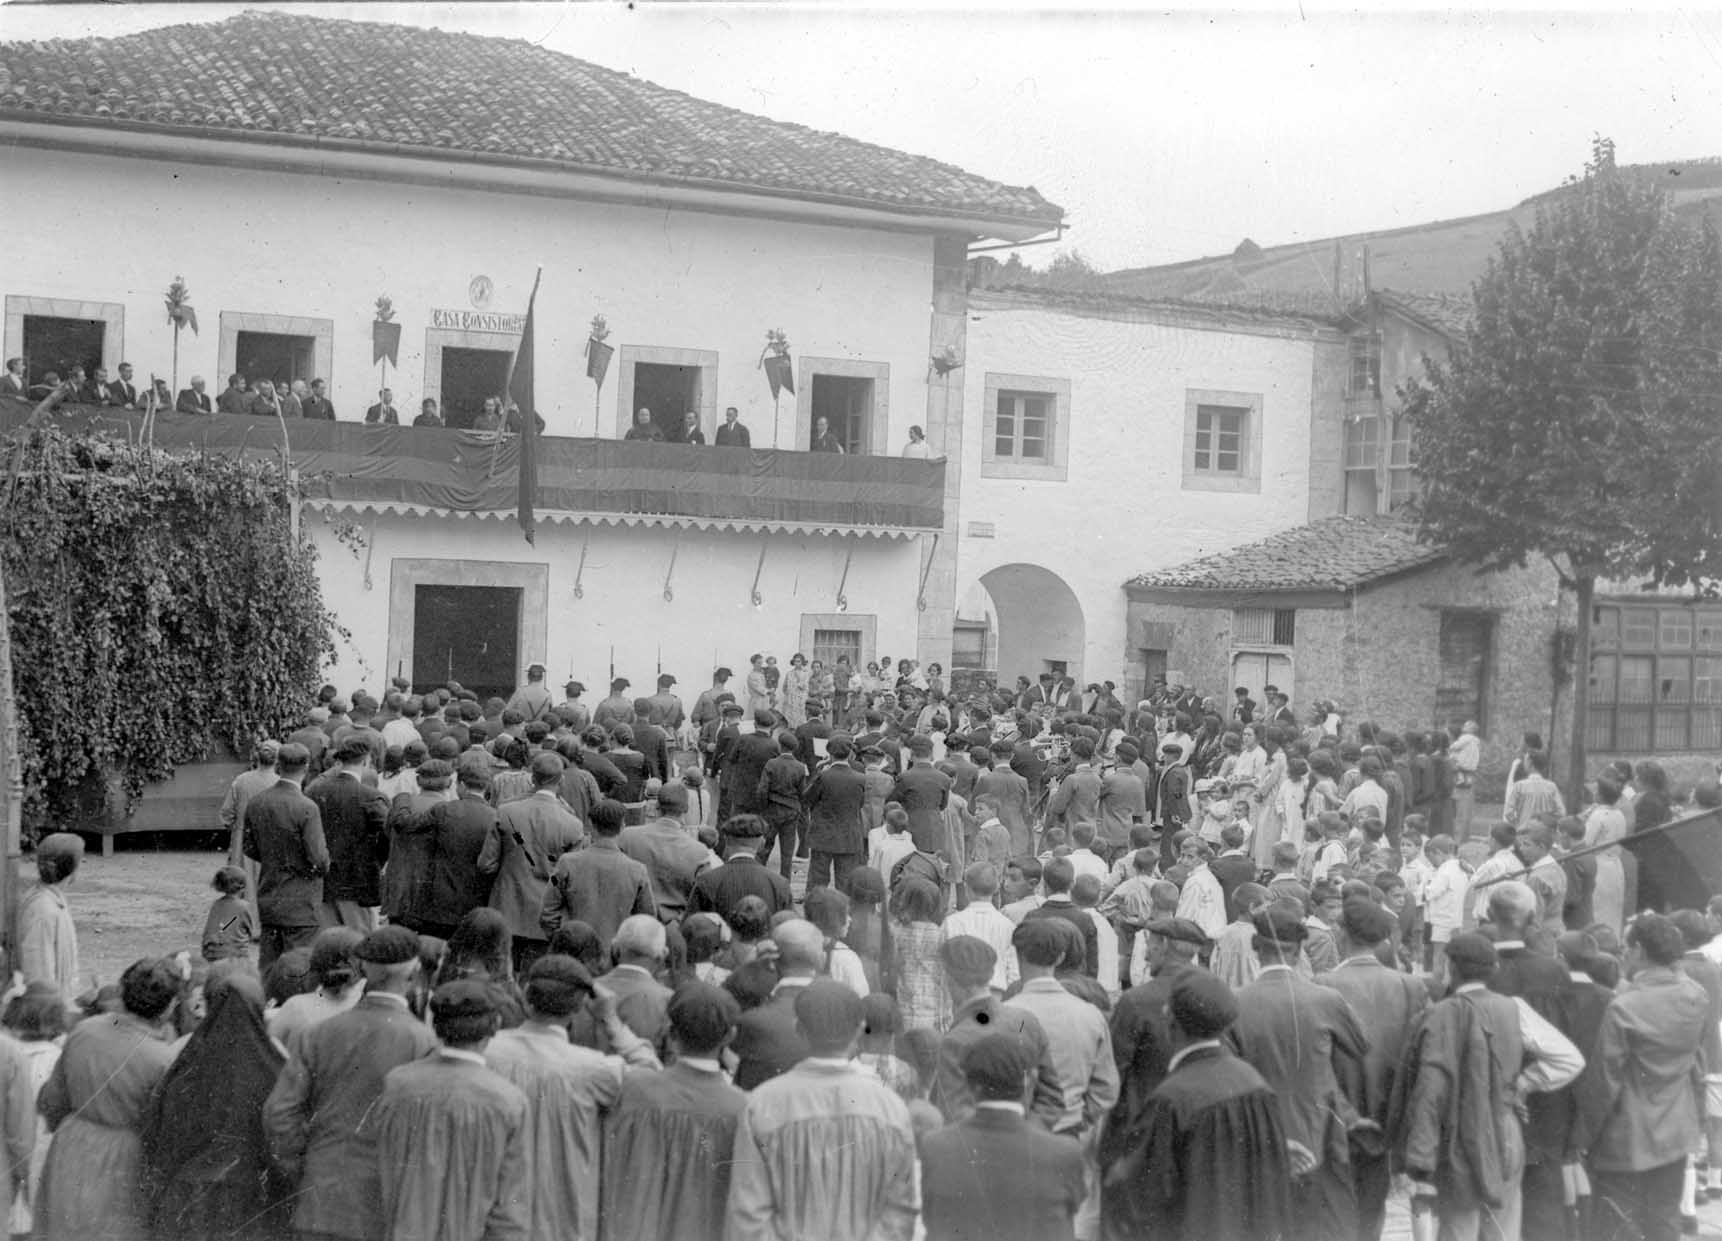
(528, 446)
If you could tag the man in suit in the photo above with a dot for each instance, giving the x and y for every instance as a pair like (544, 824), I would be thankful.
(642, 1002)
(193, 400)
(923, 791)
(314, 1117)
(836, 832)
(767, 1039)
(1055, 878)
(533, 834)
(719, 889)
(996, 1164)
(732, 434)
(123, 392)
(672, 857)
(743, 765)
(811, 735)
(1389, 1005)
(284, 833)
(97, 390)
(1299, 1036)
(1233, 867)
(317, 404)
(459, 880)
(234, 399)
(355, 828)
(384, 411)
(598, 885)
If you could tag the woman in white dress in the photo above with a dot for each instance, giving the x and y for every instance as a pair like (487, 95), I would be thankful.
(1603, 825)
(758, 693)
(1269, 814)
(793, 692)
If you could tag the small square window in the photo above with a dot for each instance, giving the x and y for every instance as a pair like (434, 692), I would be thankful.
(1026, 431)
(1220, 442)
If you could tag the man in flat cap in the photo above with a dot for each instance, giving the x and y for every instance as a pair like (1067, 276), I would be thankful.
(1297, 1035)
(741, 765)
(1142, 1035)
(315, 1117)
(1388, 1005)
(451, 1132)
(672, 1122)
(1214, 1163)
(833, 1131)
(995, 1164)
(47, 939)
(532, 700)
(1470, 1064)
(532, 835)
(284, 834)
(618, 708)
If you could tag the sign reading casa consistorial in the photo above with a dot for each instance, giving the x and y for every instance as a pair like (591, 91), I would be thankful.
(477, 321)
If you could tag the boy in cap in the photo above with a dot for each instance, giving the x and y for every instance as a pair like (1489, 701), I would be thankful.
(832, 1130)
(995, 1164)
(451, 1132)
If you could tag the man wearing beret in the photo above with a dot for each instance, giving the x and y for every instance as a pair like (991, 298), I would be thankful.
(672, 1122)
(568, 1090)
(825, 1149)
(977, 1012)
(1469, 1066)
(1297, 1035)
(1389, 1005)
(451, 1132)
(315, 1116)
(997, 1165)
(1214, 1163)
(284, 833)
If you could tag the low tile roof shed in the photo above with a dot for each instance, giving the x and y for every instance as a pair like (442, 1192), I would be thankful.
(316, 81)
(1334, 555)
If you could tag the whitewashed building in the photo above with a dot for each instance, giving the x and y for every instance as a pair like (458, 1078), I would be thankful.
(1105, 436)
(441, 170)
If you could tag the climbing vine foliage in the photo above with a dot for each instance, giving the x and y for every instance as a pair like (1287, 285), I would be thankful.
(161, 610)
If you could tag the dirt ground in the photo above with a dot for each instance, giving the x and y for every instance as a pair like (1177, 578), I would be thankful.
(149, 899)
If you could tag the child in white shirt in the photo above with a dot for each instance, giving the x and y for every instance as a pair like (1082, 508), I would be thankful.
(1444, 899)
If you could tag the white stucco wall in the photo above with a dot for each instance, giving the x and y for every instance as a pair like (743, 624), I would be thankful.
(711, 614)
(1123, 508)
(112, 229)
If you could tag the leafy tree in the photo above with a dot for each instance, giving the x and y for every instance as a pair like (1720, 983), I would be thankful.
(1580, 417)
(160, 607)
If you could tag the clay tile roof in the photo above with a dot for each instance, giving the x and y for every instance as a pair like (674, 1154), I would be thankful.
(1445, 312)
(312, 79)
(1336, 553)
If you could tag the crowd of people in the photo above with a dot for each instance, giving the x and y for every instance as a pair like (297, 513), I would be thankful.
(299, 398)
(1029, 965)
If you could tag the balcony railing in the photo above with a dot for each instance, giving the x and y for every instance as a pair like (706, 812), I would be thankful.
(471, 471)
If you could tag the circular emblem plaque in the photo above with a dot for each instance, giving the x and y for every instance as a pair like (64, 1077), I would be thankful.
(479, 291)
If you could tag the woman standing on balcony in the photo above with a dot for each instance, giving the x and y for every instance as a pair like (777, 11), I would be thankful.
(794, 693)
(644, 427)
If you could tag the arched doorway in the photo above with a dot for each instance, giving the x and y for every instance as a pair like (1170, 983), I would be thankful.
(1040, 627)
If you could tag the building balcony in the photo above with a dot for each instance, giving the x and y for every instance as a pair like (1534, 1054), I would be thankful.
(430, 469)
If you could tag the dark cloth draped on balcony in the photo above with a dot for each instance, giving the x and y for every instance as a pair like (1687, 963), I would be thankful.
(476, 472)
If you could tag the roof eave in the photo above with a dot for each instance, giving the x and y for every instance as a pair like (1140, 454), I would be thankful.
(1326, 595)
(364, 159)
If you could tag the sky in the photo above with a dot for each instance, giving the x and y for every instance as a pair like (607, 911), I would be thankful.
(1166, 134)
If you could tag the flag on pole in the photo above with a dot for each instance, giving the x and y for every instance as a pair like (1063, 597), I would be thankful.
(519, 389)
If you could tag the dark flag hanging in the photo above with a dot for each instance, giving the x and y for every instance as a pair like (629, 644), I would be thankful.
(1679, 863)
(519, 389)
